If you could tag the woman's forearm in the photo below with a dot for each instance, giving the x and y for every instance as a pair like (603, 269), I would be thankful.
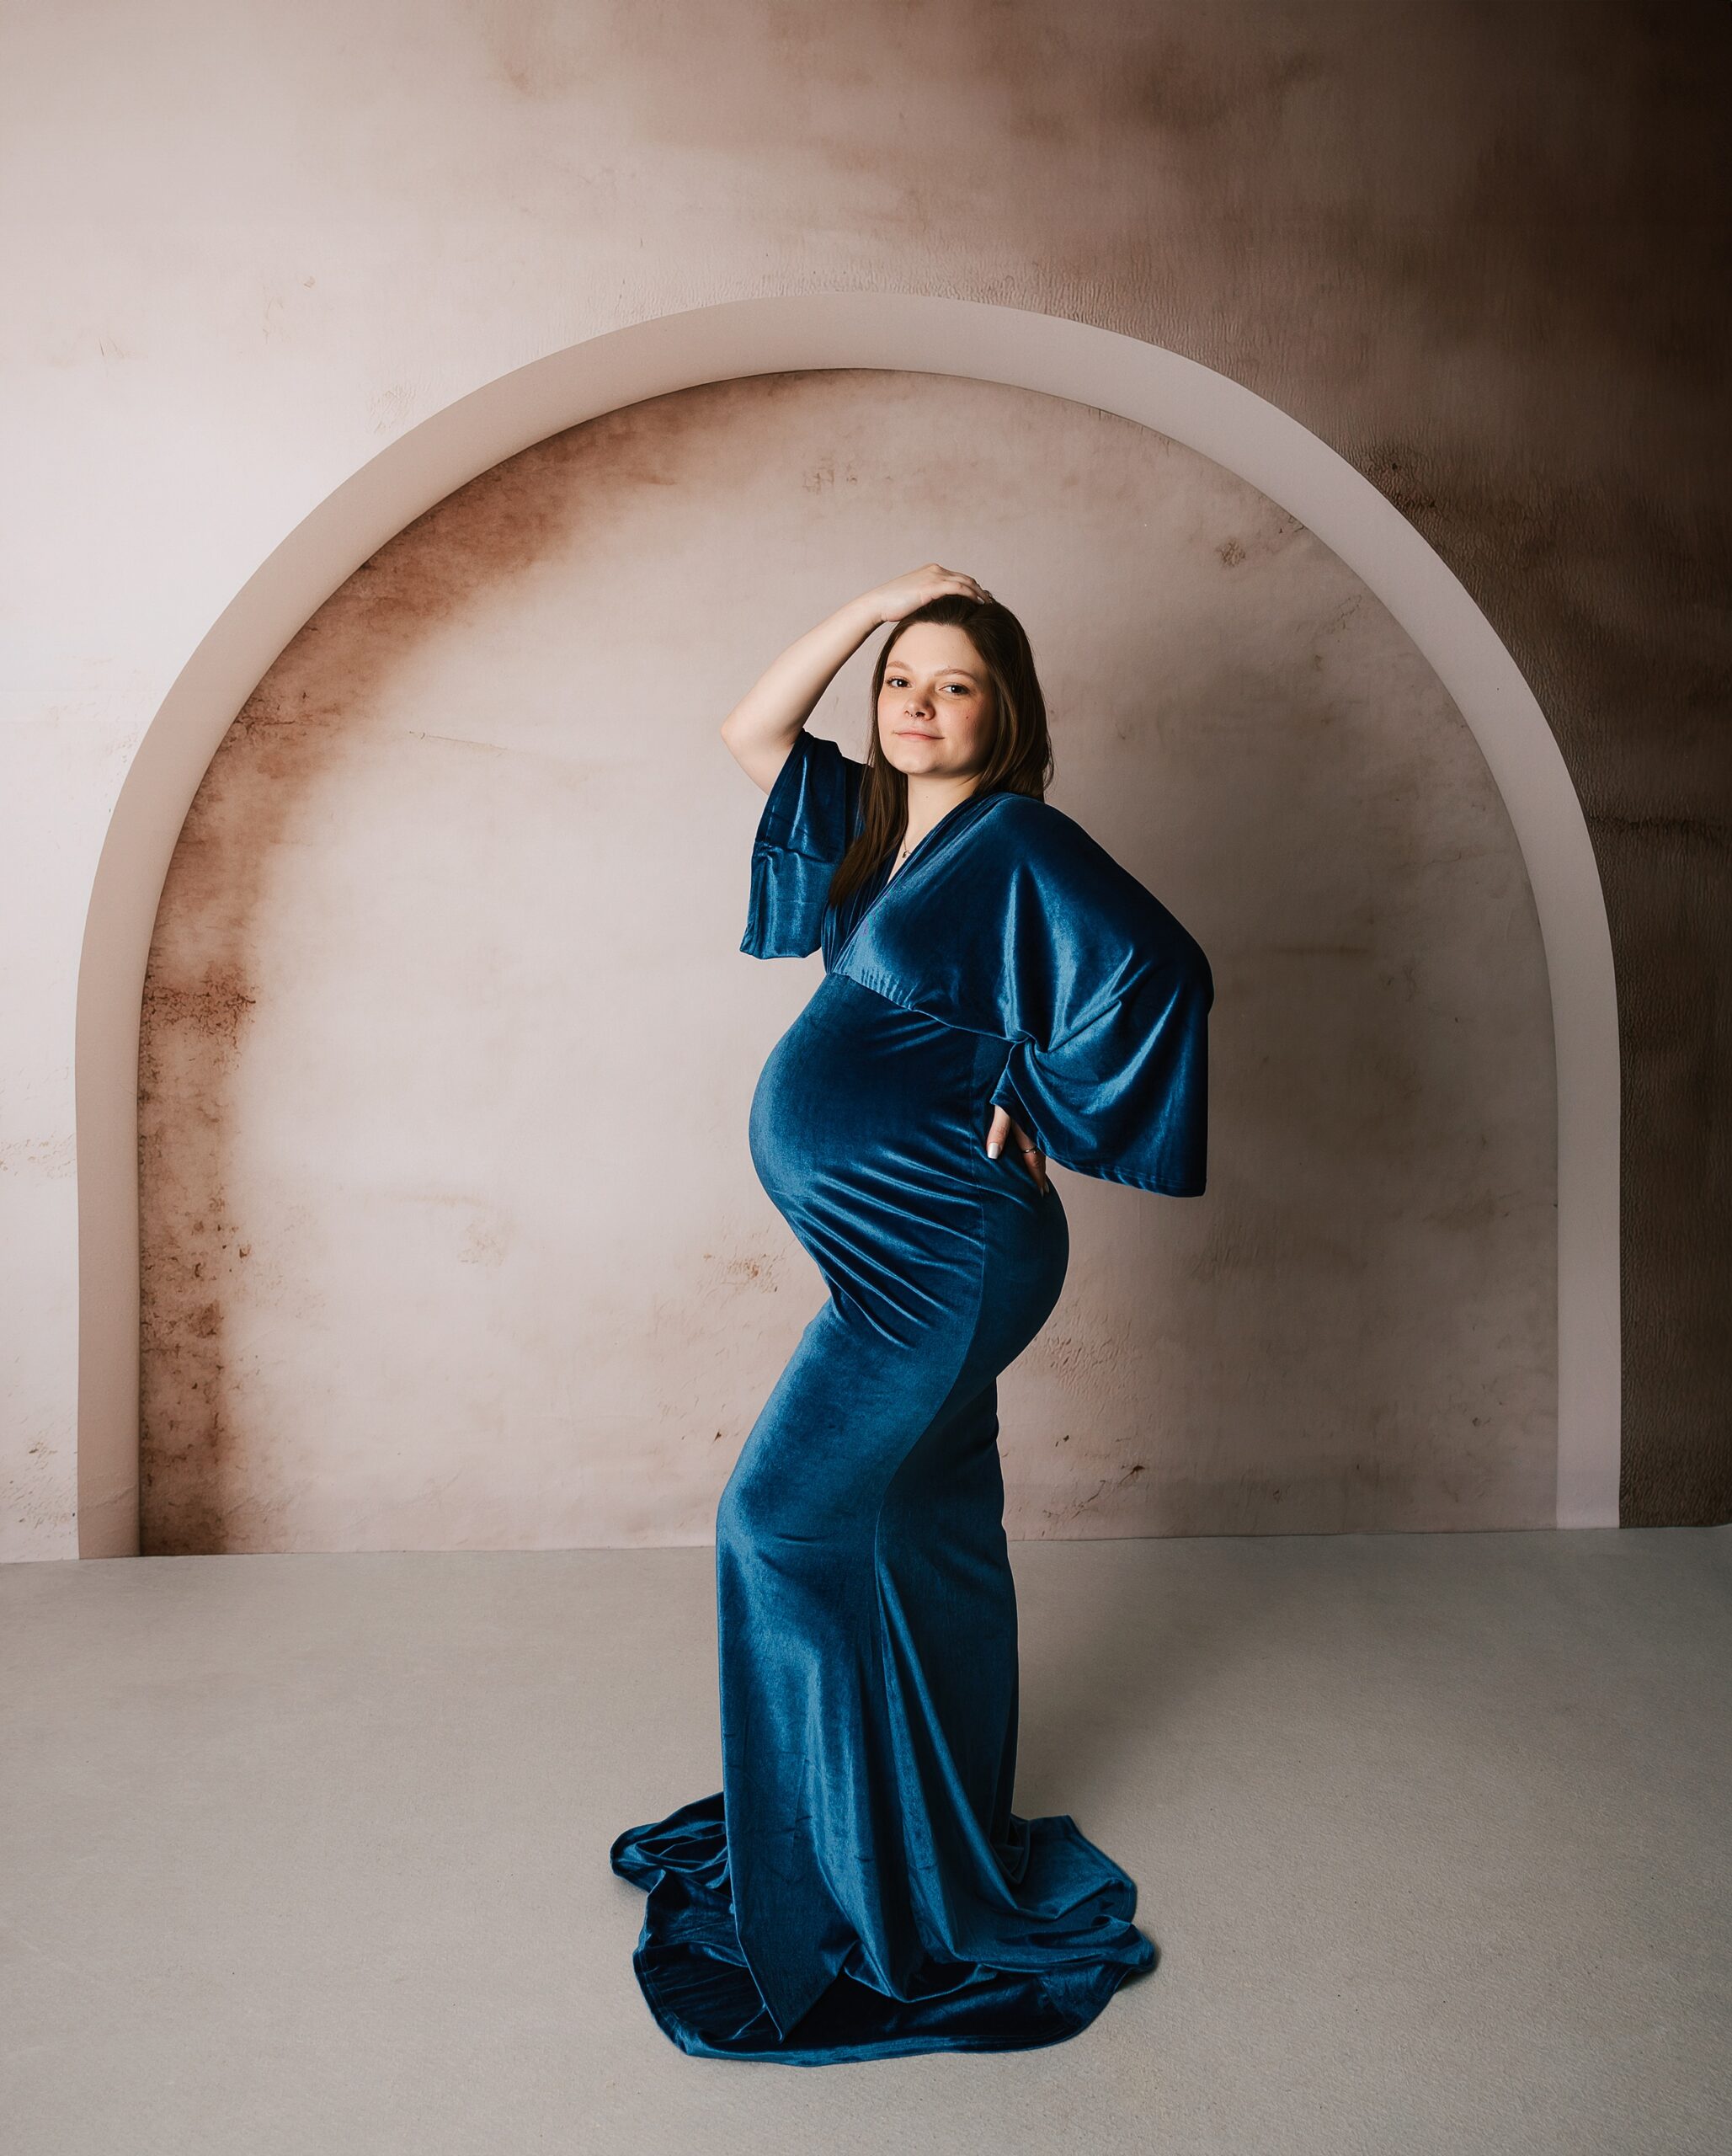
(760, 730)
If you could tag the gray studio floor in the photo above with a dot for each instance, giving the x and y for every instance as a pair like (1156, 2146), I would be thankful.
(309, 1854)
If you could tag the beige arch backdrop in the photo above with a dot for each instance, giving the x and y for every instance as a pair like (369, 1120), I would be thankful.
(1115, 375)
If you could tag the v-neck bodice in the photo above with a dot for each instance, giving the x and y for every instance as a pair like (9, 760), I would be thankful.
(853, 914)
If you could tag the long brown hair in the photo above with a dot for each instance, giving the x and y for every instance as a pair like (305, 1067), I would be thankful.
(1019, 761)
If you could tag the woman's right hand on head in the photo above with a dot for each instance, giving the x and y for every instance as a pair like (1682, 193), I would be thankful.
(903, 594)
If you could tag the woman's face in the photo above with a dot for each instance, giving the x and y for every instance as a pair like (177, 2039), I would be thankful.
(935, 708)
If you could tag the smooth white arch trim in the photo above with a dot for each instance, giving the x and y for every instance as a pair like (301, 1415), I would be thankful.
(1158, 388)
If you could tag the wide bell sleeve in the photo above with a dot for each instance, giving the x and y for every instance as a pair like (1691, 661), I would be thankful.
(805, 828)
(1027, 928)
(1124, 1095)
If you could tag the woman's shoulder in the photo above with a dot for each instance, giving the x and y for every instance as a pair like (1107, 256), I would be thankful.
(1040, 815)
(1066, 869)
(1040, 832)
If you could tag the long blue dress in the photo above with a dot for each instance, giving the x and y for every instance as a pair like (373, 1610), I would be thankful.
(859, 1887)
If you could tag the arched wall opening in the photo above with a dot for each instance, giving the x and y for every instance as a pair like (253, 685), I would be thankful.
(1116, 375)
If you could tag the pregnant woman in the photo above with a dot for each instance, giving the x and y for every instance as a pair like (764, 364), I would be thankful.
(997, 991)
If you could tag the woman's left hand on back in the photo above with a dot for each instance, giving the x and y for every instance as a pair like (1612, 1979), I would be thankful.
(1022, 1144)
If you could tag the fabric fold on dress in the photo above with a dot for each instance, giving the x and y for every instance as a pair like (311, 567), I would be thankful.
(703, 1994)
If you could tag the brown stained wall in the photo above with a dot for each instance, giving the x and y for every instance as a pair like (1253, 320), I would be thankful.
(1481, 248)
(450, 1233)
(1509, 226)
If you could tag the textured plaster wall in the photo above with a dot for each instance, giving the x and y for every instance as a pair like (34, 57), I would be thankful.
(450, 1231)
(1473, 248)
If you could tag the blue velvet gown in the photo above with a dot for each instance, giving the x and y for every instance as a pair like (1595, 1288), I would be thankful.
(860, 1887)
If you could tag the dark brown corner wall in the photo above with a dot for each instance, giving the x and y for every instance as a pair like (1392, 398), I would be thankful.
(1482, 249)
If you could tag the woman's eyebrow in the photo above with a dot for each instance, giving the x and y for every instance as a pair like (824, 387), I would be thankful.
(896, 666)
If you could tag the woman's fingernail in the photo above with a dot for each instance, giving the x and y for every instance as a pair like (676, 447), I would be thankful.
(994, 1146)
